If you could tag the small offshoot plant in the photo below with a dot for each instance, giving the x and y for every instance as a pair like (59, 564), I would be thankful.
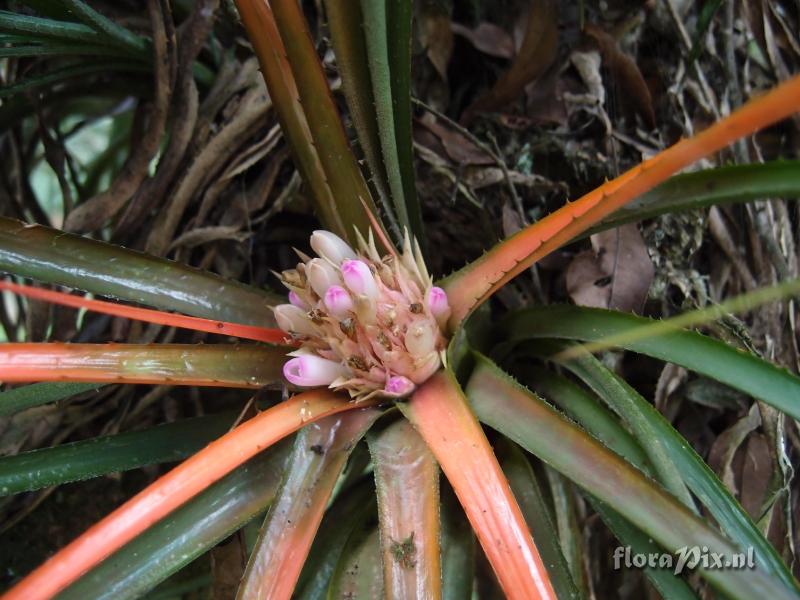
(364, 343)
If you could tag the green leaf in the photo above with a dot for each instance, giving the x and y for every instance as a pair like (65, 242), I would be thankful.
(185, 534)
(324, 123)
(359, 573)
(48, 28)
(346, 26)
(458, 548)
(407, 482)
(13, 401)
(691, 350)
(698, 476)
(665, 581)
(70, 72)
(387, 29)
(399, 17)
(107, 28)
(56, 257)
(538, 517)
(520, 415)
(723, 185)
(99, 456)
(59, 50)
(587, 412)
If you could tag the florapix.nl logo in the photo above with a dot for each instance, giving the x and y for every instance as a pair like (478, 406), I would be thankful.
(687, 557)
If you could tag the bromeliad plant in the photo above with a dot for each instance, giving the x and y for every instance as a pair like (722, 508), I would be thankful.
(388, 355)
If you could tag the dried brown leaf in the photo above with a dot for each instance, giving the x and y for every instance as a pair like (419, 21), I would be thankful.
(488, 38)
(616, 274)
(538, 51)
(436, 37)
(633, 90)
(458, 147)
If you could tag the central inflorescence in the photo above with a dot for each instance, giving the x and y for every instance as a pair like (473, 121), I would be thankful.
(371, 325)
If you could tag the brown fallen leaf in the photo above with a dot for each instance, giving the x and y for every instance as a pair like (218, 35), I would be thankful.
(616, 274)
(487, 37)
(538, 51)
(632, 89)
(458, 147)
(436, 37)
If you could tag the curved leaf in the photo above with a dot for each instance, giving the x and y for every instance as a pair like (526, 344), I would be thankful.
(691, 350)
(219, 365)
(477, 281)
(665, 581)
(170, 442)
(53, 256)
(587, 412)
(174, 489)
(407, 480)
(697, 475)
(724, 185)
(187, 533)
(520, 415)
(248, 332)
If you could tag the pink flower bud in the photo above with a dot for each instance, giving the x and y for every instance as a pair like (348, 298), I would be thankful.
(358, 278)
(293, 319)
(331, 246)
(420, 339)
(312, 371)
(297, 300)
(338, 301)
(399, 386)
(321, 275)
(436, 299)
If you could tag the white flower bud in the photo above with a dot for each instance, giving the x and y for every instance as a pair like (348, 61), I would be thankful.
(331, 246)
(321, 275)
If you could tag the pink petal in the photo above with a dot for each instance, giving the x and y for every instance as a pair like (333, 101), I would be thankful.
(399, 386)
(312, 371)
(338, 301)
(358, 278)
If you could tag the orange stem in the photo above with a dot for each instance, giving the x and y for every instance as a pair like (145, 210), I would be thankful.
(472, 285)
(249, 332)
(441, 415)
(174, 489)
(219, 365)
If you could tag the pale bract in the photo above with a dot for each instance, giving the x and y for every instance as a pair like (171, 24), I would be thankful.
(369, 324)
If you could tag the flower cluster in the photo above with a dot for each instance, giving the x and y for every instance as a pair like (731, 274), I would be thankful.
(367, 324)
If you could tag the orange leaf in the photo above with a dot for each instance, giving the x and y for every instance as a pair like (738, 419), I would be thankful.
(148, 315)
(174, 489)
(441, 415)
(477, 281)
